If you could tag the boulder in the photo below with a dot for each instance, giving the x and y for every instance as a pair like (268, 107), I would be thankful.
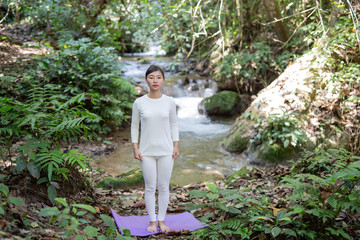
(225, 103)
(299, 90)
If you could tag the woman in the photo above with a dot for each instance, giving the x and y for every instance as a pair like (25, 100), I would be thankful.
(159, 144)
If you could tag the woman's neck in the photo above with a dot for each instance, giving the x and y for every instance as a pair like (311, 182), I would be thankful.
(154, 94)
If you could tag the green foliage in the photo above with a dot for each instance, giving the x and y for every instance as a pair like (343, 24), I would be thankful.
(82, 67)
(72, 217)
(6, 200)
(279, 129)
(41, 122)
(319, 198)
(252, 62)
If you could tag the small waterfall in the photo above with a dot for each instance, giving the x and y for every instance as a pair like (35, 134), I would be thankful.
(192, 122)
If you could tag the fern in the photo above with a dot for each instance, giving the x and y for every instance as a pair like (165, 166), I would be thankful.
(73, 157)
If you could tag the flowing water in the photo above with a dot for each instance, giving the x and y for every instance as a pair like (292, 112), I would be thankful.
(201, 156)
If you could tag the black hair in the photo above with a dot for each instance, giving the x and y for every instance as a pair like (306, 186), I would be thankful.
(154, 68)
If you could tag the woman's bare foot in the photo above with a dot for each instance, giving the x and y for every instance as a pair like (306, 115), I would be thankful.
(163, 227)
(152, 227)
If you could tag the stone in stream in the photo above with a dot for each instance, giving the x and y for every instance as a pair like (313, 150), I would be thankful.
(225, 103)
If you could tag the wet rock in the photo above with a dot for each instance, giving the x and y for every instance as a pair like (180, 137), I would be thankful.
(194, 85)
(186, 81)
(238, 138)
(275, 153)
(221, 104)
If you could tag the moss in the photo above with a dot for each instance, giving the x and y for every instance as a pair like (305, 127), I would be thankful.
(222, 103)
(276, 153)
(237, 143)
(124, 181)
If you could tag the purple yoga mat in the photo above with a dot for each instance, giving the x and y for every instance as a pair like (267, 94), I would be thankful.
(138, 224)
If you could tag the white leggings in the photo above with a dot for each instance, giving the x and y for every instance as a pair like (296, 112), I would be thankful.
(157, 169)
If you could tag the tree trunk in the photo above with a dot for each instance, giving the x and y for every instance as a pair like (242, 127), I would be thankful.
(273, 12)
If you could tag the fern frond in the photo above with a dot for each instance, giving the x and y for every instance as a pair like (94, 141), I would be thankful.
(73, 157)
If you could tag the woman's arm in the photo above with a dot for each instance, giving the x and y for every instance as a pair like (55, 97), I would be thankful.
(135, 121)
(174, 129)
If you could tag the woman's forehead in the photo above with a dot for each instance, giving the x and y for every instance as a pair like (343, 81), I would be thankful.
(156, 73)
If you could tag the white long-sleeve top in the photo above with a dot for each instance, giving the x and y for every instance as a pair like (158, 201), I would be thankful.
(159, 127)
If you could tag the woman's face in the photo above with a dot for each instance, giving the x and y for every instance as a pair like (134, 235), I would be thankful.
(155, 80)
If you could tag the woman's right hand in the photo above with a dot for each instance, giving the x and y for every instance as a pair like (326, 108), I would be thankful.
(137, 155)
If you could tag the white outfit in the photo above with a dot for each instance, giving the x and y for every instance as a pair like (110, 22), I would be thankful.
(159, 129)
(157, 168)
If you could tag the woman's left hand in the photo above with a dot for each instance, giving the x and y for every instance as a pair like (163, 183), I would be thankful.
(176, 150)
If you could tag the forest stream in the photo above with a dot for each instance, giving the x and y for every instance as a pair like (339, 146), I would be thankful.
(201, 155)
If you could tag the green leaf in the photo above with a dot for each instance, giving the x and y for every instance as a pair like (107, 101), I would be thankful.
(285, 219)
(16, 201)
(33, 169)
(2, 212)
(234, 210)
(62, 201)
(197, 193)
(42, 180)
(289, 232)
(50, 171)
(86, 207)
(126, 232)
(80, 213)
(4, 189)
(212, 196)
(298, 209)
(213, 188)
(275, 231)
(332, 201)
(51, 193)
(45, 64)
(192, 206)
(21, 164)
(80, 237)
(352, 197)
(344, 234)
(91, 231)
(108, 221)
(2, 176)
(102, 237)
(49, 211)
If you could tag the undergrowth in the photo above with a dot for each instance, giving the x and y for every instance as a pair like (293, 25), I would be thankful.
(323, 203)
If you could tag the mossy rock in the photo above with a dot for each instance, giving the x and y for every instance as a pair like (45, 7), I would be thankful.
(238, 139)
(276, 153)
(221, 104)
(124, 181)
(236, 175)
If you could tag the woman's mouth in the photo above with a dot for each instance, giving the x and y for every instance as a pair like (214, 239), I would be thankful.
(155, 85)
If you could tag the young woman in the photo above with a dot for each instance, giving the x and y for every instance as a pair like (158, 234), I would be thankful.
(159, 144)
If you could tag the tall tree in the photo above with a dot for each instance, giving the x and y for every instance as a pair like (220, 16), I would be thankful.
(273, 12)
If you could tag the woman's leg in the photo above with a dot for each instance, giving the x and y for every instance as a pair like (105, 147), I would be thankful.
(148, 167)
(164, 168)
